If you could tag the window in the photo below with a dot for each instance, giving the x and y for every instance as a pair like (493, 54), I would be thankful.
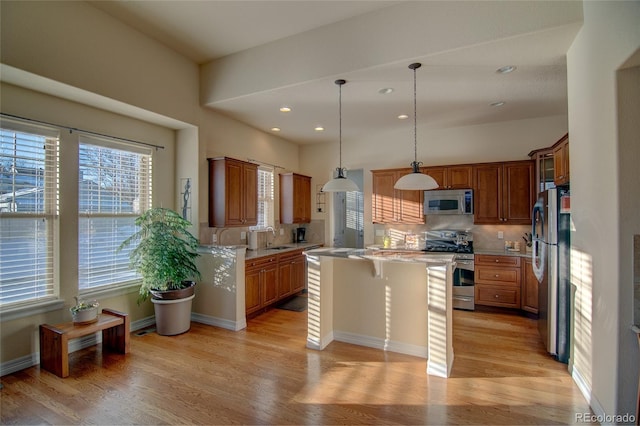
(114, 188)
(28, 213)
(265, 198)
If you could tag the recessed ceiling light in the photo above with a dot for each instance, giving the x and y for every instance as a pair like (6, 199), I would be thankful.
(497, 104)
(403, 116)
(285, 109)
(275, 129)
(319, 129)
(506, 69)
(385, 90)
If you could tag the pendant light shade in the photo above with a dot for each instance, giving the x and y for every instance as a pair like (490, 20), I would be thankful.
(340, 183)
(415, 180)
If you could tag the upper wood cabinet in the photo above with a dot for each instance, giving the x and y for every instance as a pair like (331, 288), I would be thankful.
(561, 161)
(395, 206)
(233, 193)
(451, 177)
(295, 198)
(503, 192)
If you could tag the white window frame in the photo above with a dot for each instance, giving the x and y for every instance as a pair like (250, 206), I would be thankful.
(266, 198)
(108, 270)
(43, 259)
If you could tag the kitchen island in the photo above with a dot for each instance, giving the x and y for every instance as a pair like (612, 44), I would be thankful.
(393, 300)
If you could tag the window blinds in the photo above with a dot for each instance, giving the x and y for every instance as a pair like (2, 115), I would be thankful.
(114, 188)
(29, 178)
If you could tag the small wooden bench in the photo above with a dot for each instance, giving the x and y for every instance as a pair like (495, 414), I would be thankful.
(54, 339)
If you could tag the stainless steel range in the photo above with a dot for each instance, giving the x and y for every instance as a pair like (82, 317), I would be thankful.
(460, 243)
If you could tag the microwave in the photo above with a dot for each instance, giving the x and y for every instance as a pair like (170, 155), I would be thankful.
(457, 201)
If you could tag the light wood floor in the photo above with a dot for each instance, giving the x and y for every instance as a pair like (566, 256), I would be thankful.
(265, 375)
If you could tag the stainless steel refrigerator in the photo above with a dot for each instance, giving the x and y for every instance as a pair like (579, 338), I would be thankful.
(551, 265)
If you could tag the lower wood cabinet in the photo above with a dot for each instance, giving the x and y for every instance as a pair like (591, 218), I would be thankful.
(261, 283)
(293, 273)
(269, 279)
(497, 281)
(529, 287)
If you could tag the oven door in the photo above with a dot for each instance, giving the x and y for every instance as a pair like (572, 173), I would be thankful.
(463, 296)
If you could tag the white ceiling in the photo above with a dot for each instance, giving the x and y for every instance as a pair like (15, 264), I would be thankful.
(456, 83)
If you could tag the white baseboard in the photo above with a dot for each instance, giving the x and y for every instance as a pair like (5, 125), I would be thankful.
(585, 389)
(219, 322)
(383, 344)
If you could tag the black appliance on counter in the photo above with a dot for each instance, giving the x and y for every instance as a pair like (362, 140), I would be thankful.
(460, 243)
(300, 235)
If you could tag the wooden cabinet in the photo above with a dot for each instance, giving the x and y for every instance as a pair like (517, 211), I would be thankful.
(503, 192)
(561, 161)
(295, 198)
(292, 273)
(451, 177)
(261, 283)
(529, 287)
(497, 281)
(233, 193)
(395, 206)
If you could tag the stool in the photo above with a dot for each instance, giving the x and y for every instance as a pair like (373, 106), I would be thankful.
(54, 339)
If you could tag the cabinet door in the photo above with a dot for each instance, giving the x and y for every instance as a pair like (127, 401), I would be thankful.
(301, 199)
(438, 174)
(234, 196)
(561, 163)
(269, 284)
(487, 193)
(517, 193)
(529, 288)
(384, 197)
(252, 290)
(249, 194)
(299, 274)
(459, 177)
(285, 276)
(410, 208)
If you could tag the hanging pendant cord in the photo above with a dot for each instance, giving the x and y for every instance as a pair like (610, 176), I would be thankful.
(340, 83)
(415, 118)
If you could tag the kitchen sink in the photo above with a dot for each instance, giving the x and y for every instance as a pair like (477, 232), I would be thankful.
(279, 248)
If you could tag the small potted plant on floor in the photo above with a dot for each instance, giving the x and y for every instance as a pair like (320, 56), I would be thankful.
(165, 258)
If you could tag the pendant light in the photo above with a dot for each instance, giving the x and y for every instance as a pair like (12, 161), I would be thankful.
(415, 180)
(340, 183)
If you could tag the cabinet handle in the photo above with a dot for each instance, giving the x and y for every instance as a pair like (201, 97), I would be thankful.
(497, 260)
(497, 275)
(497, 296)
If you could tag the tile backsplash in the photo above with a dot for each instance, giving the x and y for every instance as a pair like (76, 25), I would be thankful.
(485, 237)
(233, 236)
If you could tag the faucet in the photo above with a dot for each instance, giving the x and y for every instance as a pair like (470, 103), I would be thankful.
(273, 231)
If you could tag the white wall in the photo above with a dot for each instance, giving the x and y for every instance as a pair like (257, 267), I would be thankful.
(605, 192)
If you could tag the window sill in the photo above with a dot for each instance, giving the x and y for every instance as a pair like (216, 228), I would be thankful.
(110, 291)
(30, 309)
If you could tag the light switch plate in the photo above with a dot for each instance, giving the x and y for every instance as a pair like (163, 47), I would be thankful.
(243, 235)
(281, 231)
(500, 235)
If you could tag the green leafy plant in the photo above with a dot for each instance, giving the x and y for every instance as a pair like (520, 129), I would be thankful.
(166, 251)
(83, 305)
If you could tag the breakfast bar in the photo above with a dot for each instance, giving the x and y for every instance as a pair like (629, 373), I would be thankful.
(349, 288)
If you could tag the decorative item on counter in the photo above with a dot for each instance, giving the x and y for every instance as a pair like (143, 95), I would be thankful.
(84, 312)
(387, 240)
(528, 240)
(411, 241)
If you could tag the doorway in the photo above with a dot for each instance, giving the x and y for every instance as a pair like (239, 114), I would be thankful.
(348, 214)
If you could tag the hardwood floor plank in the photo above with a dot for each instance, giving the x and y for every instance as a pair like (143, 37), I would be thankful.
(265, 375)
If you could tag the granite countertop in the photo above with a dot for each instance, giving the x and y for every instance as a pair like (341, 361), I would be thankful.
(283, 248)
(412, 256)
(501, 252)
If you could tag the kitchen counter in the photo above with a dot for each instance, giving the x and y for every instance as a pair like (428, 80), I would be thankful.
(284, 248)
(501, 252)
(393, 300)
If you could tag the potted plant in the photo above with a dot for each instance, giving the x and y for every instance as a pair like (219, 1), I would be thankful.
(84, 312)
(165, 258)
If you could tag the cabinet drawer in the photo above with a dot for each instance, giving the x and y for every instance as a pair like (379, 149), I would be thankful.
(497, 275)
(290, 255)
(260, 262)
(489, 259)
(508, 297)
